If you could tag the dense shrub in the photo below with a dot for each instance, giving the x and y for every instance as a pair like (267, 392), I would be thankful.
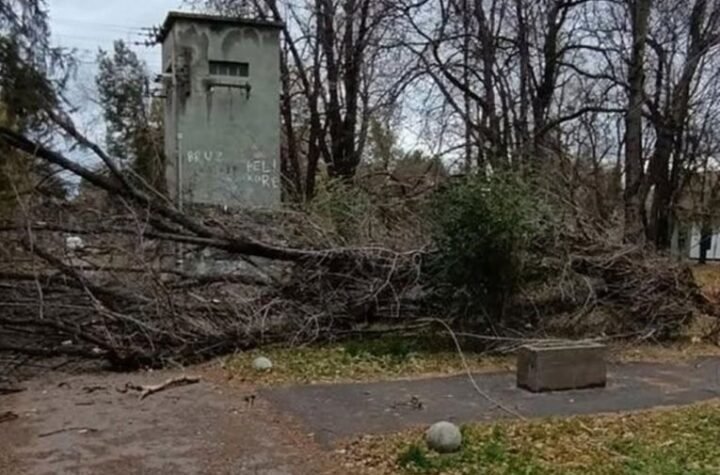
(481, 227)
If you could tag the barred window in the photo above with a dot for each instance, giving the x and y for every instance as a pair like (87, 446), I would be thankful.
(229, 68)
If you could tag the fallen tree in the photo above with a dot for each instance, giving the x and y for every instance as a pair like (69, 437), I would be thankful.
(150, 311)
(124, 298)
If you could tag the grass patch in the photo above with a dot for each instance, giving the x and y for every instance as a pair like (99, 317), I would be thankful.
(492, 453)
(362, 360)
(396, 357)
(669, 442)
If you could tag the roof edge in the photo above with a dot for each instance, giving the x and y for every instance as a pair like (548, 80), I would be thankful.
(174, 16)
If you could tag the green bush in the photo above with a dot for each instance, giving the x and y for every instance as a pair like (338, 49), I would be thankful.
(481, 227)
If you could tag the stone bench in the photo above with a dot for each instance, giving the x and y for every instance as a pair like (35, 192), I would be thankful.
(561, 366)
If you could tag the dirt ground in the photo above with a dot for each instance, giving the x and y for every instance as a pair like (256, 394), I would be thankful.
(81, 424)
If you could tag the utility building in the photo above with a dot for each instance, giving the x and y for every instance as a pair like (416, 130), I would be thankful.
(222, 118)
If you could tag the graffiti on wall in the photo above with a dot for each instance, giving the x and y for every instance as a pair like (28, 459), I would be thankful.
(258, 171)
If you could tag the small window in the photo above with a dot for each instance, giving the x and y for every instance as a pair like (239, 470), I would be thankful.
(229, 68)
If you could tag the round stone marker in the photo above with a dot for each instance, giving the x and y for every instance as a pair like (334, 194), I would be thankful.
(262, 364)
(443, 437)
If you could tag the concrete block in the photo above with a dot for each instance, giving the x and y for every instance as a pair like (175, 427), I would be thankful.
(561, 366)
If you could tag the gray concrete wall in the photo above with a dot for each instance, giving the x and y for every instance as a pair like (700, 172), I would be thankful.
(223, 144)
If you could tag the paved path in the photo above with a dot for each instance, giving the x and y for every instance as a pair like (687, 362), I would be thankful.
(83, 425)
(334, 412)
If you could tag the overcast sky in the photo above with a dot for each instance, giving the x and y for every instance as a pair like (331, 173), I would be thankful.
(85, 26)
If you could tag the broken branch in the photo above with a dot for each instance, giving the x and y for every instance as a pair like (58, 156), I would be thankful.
(146, 391)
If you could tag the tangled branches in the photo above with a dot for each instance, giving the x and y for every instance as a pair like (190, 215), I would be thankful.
(123, 297)
(643, 291)
(135, 281)
(590, 285)
(147, 311)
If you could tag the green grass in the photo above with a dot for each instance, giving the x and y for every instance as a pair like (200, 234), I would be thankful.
(397, 357)
(361, 360)
(683, 441)
(492, 455)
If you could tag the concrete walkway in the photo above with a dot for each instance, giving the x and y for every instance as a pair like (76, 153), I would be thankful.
(334, 412)
(82, 425)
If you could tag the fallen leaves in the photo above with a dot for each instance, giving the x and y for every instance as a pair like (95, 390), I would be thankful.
(395, 358)
(356, 362)
(681, 440)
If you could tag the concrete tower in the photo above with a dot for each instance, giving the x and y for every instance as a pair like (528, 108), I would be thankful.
(222, 118)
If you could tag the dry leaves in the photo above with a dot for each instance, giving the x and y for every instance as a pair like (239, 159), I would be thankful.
(356, 362)
(681, 440)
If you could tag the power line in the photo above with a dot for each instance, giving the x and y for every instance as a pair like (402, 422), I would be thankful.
(91, 54)
(150, 38)
(99, 24)
(95, 37)
(149, 33)
(149, 63)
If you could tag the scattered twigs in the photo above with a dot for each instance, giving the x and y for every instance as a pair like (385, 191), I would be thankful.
(146, 391)
(79, 430)
(92, 389)
(6, 391)
(7, 416)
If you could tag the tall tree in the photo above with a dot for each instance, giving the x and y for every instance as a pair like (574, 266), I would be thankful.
(683, 42)
(28, 89)
(134, 124)
(624, 88)
(333, 64)
(639, 17)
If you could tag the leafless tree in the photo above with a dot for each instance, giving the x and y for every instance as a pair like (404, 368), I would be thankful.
(684, 46)
(331, 65)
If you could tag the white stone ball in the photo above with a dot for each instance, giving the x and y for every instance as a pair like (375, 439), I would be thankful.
(262, 364)
(443, 437)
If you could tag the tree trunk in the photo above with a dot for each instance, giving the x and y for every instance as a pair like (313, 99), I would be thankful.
(634, 225)
(290, 161)
(658, 231)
